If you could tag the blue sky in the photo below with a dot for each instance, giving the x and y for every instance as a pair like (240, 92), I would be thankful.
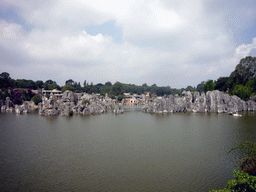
(169, 43)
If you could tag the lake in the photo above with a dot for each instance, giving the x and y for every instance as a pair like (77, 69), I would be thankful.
(134, 151)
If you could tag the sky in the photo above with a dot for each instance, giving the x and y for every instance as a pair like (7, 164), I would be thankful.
(164, 42)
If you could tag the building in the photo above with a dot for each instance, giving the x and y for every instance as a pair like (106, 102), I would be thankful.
(54, 92)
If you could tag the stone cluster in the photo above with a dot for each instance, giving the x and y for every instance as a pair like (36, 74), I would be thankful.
(73, 103)
(8, 106)
(212, 101)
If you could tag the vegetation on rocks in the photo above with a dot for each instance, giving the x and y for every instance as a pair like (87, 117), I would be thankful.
(70, 113)
(36, 99)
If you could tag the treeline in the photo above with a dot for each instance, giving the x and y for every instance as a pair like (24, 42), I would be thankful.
(241, 82)
(116, 89)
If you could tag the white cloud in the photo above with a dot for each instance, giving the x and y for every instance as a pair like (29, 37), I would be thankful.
(244, 50)
(162, 40)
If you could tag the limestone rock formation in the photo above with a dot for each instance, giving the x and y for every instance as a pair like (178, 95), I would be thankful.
(77, 103)
(48, 107)
(118, 110)
(212, 101)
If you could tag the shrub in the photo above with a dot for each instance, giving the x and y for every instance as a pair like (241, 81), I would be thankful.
(86, 101)
(247, 160)
(70, 113)
(245, 178)
(243, 92)
(243, 182)
(36, 99)
(17, 98)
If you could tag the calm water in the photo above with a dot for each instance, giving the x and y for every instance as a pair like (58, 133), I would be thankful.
(134, 151)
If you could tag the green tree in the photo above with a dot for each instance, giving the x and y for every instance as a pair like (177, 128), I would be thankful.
(221, 84)
(190, 88)
(69, 82)
(120, 97)
(39, 84)
(6, 81)
(252, 85)
(85, 83)
(108, 83)
(67, 87)
(117, 89)
(36, 99)
(209, 85)
(50, 85)
(243, 92)
(243, 182)
(24, 83)
(200, 87)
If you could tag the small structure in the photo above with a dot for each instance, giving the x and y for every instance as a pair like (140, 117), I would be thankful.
(56, 93)
(132, 99)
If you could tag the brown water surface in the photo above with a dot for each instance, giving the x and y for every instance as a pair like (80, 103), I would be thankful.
(134, 151)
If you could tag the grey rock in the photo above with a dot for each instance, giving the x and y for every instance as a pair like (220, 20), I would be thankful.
(69, 96)
(212, 101)
(78, 103)
(118, 110)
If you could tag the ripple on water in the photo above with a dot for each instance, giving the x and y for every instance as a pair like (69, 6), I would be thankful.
(130, 152)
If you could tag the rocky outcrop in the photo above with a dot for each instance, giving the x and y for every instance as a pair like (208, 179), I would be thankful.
(69, 96)
(48, 107)
(118, 110)
(26, 107)
(9, 106)
(75, 104)
(212, 101)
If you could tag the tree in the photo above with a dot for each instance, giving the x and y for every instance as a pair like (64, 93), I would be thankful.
(190, 88)
(69, 82)
(4, 75)
(91, 88)
(243, 92)
(120, 97)
(67, 87)
(6, 81)
(200, 87)
(251, 84)
(85, 83)
(209, 86)
(117, 89)
(36, 99)
(27, 94)
(39, 84)
(243, 182)
(50, 85)
(108, 83)
(221, 84)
